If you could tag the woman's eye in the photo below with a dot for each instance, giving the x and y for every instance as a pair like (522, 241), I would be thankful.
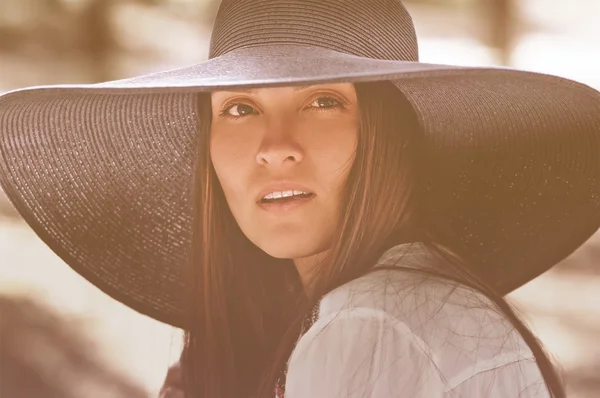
(325, 103)
(238, 110)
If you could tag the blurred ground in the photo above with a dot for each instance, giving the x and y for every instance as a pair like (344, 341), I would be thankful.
(563, 38)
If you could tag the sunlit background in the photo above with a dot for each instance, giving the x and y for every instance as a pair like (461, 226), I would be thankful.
(85, 41)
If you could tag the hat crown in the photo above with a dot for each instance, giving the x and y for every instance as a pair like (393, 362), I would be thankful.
(380, 29)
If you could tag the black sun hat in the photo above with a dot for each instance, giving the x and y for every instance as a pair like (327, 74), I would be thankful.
(102, 172)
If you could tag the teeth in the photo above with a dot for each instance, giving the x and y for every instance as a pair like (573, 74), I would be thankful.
(282, 194)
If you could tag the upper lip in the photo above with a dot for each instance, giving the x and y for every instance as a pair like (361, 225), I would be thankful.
(280, 187)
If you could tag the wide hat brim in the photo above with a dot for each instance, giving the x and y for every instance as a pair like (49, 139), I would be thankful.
(102, 173)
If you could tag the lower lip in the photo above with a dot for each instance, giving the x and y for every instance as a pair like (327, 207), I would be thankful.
(282, 207)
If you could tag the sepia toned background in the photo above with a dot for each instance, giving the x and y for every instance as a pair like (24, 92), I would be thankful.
(86, 41)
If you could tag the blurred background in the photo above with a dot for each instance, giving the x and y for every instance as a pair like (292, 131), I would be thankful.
(86, 41)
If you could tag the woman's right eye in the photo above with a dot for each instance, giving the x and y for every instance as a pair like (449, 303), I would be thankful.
(238, 110)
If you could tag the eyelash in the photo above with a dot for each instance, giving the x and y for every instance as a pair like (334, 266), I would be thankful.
(338, 105)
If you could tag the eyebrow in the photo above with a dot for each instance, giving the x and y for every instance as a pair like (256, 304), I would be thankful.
(252, 90)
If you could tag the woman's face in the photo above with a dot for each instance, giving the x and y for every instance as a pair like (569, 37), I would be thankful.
(267, 144)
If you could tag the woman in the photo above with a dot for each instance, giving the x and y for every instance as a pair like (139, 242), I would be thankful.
(344, 219)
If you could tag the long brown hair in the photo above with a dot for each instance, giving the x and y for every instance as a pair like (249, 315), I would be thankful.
(246, 309)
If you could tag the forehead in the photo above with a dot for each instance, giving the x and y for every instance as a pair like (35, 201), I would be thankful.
(336, 86)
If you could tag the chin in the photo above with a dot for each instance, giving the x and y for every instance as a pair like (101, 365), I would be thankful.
(288, 247)
(290, 251)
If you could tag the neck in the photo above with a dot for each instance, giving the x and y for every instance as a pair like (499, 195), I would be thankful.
(307, 267)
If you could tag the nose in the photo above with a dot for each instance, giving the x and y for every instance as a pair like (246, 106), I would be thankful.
(279, 149)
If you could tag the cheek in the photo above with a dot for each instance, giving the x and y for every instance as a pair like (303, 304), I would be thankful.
(231, 154)
(333, 152)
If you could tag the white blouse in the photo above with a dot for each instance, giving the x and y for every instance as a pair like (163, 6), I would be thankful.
(400, 334)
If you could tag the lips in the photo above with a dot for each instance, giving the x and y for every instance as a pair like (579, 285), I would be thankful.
(287, 205)
(279, 196)
(277, 191)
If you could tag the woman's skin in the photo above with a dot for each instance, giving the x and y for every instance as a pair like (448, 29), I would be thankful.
(281, 139)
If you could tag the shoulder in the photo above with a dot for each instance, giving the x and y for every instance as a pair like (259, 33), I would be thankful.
(454, 333)
(416, 298)
(173, 385)
(434, 309)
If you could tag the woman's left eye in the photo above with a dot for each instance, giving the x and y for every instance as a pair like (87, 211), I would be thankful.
(326, 103)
